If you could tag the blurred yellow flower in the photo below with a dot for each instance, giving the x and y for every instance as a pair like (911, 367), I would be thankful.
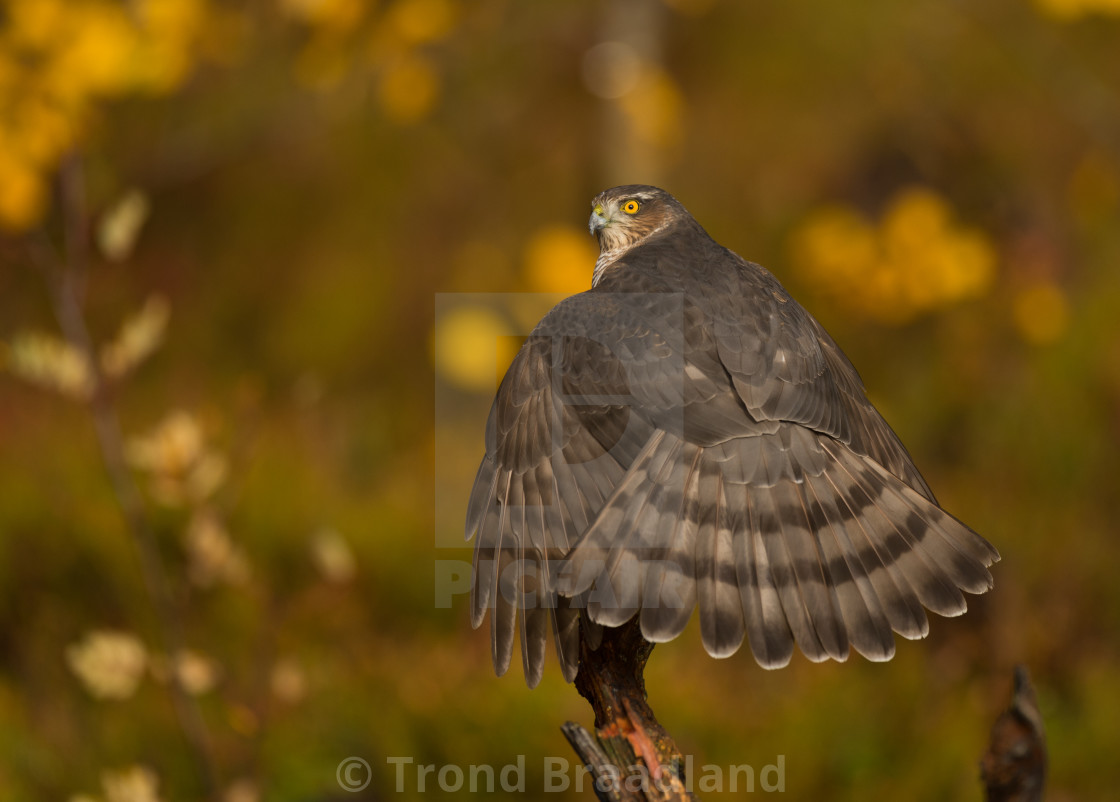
(466, 347)
(139, 337)
(408, 89)
(182, 467)
(49, 129)
(52, 363)
(133, 784)
(169, 33)
(195, 672)
(332, 556)
(171, 448)
(91, 51)
(109, 664)
(23, 191)
(242, 790)
(212, 557)
(288, 681)
(836, 242)
(31, 24)
(59, 59)
(120, 225)
(915, 260)
(560, 259)
(1041, 313)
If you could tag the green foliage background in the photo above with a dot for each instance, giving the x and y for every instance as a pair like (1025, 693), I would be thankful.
(324, 170)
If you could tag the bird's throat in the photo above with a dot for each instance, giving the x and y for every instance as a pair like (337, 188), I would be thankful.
(603, 263)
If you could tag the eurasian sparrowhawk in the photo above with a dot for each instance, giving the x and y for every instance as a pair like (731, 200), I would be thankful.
(685, 434)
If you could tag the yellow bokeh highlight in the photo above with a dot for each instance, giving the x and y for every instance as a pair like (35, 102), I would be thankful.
(212, 556)
(52, 363)
(59, 59)
(109, 664)
(1041, 313)
(182, 466)
(139, 337)
(560, 259)
(421, 21)
(655, 108)
(23, 193)
(466, 346)
(408, 89)
(332, 555)
(169, 34)
(132, 784)
(120, 225)
(914, 260)
(325, 58)
(50, 129)
(92, 53)
(195, 672)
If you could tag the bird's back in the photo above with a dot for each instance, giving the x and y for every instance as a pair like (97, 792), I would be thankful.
(686, 435)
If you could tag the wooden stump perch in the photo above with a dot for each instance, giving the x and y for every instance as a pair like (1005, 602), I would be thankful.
(1014, 767)
(631, 757)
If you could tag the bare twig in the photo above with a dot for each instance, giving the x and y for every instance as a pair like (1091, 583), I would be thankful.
(65, 278)
(76, 226)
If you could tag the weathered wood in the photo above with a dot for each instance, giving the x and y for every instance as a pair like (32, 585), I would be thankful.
(632, 757)
(1014, 767)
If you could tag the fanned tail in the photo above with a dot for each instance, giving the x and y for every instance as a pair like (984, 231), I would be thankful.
(784, 538)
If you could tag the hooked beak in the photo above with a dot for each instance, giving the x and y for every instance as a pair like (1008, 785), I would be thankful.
(599, 220)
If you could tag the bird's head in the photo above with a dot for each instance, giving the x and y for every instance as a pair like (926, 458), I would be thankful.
(622, 217)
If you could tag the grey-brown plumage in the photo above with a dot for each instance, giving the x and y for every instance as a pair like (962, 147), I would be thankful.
(684, 434)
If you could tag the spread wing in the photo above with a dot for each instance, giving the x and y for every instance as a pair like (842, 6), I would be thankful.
(785, 366)
(560, 437)
(661, 445)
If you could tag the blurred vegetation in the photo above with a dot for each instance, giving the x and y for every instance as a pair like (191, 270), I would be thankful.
(292, 227)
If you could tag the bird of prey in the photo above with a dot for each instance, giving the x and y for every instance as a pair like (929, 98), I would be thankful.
(684, 434)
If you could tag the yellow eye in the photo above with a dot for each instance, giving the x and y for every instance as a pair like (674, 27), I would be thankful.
(631, 206)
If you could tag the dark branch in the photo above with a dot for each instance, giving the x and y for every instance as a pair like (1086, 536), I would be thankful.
(633, 757)
(65, 278)
(1014, 768)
